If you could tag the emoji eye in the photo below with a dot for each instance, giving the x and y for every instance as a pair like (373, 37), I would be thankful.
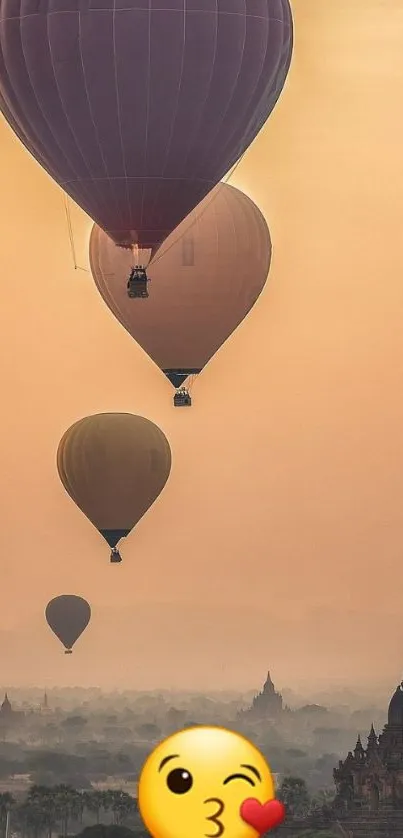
(179, 781)
(238, 777)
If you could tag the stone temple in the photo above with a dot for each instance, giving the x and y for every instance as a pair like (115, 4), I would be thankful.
(266, 705)
(369, 782)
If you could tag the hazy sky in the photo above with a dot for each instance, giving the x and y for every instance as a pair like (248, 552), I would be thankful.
(279, 539)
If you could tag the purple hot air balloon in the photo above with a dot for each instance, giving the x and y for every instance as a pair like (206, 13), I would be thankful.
(137, 108)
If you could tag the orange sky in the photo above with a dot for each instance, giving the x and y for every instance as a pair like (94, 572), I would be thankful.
(279, 538)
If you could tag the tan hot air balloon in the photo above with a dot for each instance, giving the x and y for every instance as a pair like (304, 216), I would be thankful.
(114, 466)
(204, 280)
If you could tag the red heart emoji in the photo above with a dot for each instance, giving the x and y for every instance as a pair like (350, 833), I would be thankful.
(262, 816)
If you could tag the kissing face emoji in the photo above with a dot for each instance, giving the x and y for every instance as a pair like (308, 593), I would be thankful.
(195, 782)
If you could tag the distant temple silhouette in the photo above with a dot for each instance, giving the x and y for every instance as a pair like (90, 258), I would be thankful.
(268, 704)
(44, 708)
(6, 710)
(7, 714)
(11, 717)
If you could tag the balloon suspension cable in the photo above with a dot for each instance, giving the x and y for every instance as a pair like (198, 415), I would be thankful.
(188, 384)
(71, 235)
(198, 217)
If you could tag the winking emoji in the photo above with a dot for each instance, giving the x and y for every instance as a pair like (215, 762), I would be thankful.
(207, 782)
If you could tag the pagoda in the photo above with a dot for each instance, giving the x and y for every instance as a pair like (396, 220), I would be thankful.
(372, 778)
(268, 704)
(6, 710)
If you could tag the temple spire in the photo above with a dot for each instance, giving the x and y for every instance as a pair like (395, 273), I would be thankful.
(268, 685)
(359, 750)
(5, 708)
(372, 739)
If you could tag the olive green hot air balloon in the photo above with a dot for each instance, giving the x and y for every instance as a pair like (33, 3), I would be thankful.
(114, 466)
(68, 615)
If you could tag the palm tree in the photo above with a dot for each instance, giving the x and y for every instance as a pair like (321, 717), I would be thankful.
(32, 819)
(94, 802)
(68, 803)
(121, 804)
(48, 806)
(7, 802)
(294, 794)
(42, 808)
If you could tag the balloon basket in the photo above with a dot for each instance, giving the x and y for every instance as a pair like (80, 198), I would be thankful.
(182, 398)
(68, 652)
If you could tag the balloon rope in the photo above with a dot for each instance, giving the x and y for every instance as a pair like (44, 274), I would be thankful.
(71, 235)
(152, 261)
(197, 217)
(192, 379)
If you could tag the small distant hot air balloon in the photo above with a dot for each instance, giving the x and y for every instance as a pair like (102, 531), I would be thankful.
(68, 615)
(114, 466)
(205, 279)
(138, 109)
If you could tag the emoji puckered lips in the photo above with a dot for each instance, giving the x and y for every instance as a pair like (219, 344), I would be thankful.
(262, 816)
(207, 782)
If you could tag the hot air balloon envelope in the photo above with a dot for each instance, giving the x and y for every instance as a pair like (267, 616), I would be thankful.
(204, 280)
(68, 616)
(114, 466)
(137, 108)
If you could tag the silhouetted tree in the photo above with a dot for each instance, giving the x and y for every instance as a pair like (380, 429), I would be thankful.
(58, 765)
(121, 804)
(49, 807)
(149, 730)
(94, 802)
(40, 810)
(7, 803)
(75, 723)
(68, 805)
(32, 819)
(294, 794)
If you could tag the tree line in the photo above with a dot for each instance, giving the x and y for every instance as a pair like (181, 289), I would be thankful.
(53, 809)
(293, 792)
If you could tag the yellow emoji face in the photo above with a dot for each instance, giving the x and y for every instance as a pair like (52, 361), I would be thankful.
(194, 783)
